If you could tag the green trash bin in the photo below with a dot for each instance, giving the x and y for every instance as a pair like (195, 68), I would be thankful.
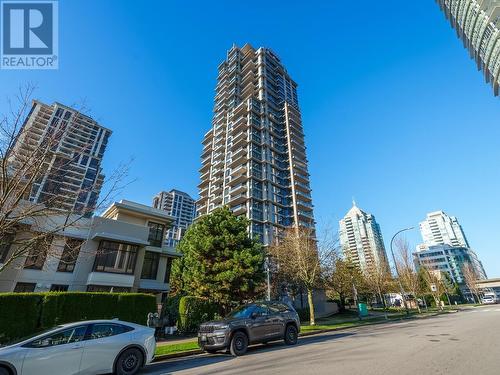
(362, 309)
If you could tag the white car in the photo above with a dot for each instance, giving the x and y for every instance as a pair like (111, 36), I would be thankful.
(90, 347)
(488, 300)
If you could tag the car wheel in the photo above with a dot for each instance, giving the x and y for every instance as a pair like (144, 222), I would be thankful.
(129, 362)
(239, 344)
(4, 371)
(291, 335)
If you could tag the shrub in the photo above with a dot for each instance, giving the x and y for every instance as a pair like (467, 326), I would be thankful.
(171, 309)
(19, 315)
(22, 314)
(429, 300)
(193, 311)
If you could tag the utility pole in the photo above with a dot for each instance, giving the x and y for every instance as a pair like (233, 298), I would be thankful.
(397, 271)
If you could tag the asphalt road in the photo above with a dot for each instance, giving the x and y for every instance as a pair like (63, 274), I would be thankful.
(467, 342)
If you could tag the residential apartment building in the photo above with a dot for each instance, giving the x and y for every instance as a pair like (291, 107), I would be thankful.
(70, 147)
(450, 259)
(361, 240)
(254, 156)
(477, 24)
(122, 250)
(439, 228)
(445, 247)
(181, 207)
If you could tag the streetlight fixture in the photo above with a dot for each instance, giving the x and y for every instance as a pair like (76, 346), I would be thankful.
(397, 271)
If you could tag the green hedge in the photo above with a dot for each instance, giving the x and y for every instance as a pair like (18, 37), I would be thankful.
(22, 314)
(193, 311)
(63, 307)
(19, 315)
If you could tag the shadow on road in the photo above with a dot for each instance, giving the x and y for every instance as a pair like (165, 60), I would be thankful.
(189, 363)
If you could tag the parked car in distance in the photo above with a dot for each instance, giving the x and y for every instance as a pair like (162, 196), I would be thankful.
(258, 322)
(489, 298)
(89, 347)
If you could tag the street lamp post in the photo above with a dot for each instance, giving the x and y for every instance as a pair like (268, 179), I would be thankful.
(397, 271)
(268, 277)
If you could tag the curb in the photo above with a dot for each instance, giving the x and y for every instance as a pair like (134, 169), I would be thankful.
(187, 353)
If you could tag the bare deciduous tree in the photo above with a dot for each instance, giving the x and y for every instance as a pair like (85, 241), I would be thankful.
(300, 257)
(378, 281)
(406, 267)
(470, 278)
(343, 279)
(432, 279)
(27, 150)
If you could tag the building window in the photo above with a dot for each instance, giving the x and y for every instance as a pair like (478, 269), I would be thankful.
(5, 244)
(59, 288)
(150, 265)
(38, 253)
(169, 270)
(116, 257)
(24, 287)
(156, 233)
(69, 255)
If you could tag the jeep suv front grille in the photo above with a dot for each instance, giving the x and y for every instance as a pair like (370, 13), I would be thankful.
(206, 329)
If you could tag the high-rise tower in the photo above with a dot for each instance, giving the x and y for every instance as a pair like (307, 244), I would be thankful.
(62, 149)
(477, 23)
(254, 156)
(445, 247)
(361, 240)
(181, 207)
(438, 229)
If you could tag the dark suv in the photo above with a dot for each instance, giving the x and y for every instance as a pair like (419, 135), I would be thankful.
(258, 322)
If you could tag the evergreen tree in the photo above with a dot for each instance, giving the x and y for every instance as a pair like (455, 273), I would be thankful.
(220, 261)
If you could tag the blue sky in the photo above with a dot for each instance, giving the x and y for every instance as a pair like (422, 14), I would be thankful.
(394, 111)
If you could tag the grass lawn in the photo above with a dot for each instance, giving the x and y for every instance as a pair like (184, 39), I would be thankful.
(347, 319)
(177, 348)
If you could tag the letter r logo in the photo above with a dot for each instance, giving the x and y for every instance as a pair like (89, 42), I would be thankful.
(27, 28)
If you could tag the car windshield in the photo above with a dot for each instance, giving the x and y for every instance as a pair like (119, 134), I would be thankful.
(17, 341)
(241, 312)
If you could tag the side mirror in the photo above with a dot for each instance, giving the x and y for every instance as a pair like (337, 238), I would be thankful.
(254, 315)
